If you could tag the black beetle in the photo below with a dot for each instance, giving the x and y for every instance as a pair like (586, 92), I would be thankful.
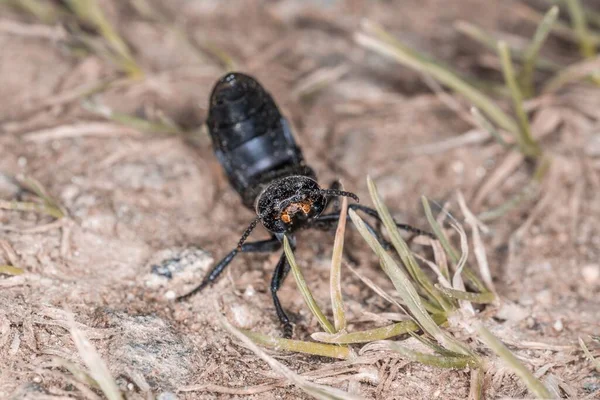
(254, 144)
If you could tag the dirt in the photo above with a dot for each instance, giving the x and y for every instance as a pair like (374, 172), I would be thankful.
(148, 214)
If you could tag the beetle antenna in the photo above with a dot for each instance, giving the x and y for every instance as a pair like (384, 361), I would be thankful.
(335, 192)
(249, 230)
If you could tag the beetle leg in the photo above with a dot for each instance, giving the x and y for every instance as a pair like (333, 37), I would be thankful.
(262, 246)
(279, 275)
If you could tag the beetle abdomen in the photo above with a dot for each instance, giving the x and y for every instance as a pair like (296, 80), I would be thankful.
(250, 137)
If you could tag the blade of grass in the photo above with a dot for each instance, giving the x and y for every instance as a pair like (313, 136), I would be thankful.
(10, 270)
(448, 248)
(579, 22)
(460, 361)
(479, 298)
(484, 123)
(41, 10)
(377, 289)
(402, 249)
(33, 185)
(299, 346)
(527, 144)
(370, 335)
(533, 51)
(511, 361)
(33, 207)
(90, 12)
(406, 290)
(589, 355)
(317, 391)
(479, 35)
(143, 125)
(335, 281)
(98, 369)
(306, 293)
(380, 41)
(478, 247)
(573, 73)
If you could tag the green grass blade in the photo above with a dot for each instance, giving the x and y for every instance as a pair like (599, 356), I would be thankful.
(335, 281)
(402, 249)
(459, 361)
(406, 290)
(484, 123)
(579, 22)
(479, 298)
(379, 41)
(479, 35)
(512, 362)
(299, 346)
(304, 290)
(89, 11)
(527, 144)
(317, 391)
(370, 335)
(533, 51)
(33, 207)
(573, 73)
(10, 270)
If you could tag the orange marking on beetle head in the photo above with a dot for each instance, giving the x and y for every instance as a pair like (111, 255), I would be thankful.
(287, 214)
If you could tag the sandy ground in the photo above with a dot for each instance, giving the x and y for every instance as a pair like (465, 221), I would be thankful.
(142, 204)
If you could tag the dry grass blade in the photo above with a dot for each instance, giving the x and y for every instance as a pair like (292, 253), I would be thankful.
(312, 389)
(511, 361)
(440, 361)
(370, 335)
(378, 40)
(304, 290)
(90, 12)
(91, 128)
(527, 144)
(96, 366)
(34, 186)
(589, 355)
(317, 349)
(79, 374)
(33, 207)
(403, 251)
(406, 290)
(476, 387)
(337, 301)
(533, 51)
(573, 73)
(478, 247)
(448, 248)
(165, 125)
(10, 270)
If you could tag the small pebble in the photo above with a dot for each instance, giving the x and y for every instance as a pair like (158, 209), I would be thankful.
(558, 325)
(591, 273)
(249, 292)
(170, 295)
